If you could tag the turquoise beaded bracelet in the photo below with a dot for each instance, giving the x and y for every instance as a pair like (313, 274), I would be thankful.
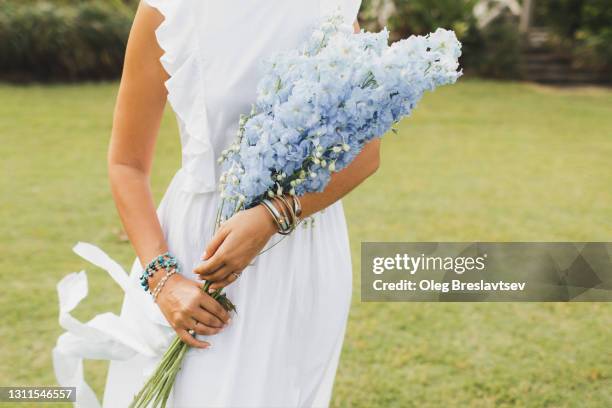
(163, 261)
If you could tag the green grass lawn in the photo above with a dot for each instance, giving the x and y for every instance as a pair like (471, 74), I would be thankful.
(478, 161)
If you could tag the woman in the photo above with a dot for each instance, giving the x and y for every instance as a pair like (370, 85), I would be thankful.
(282, 347)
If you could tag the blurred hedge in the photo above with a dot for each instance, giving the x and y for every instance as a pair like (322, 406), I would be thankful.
(77, 39)
(63, 40)
(85, 39)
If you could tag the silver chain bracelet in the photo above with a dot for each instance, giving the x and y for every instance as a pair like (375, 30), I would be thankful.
(161, 284)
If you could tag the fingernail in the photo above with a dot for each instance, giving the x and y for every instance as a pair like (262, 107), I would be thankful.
(228, 322)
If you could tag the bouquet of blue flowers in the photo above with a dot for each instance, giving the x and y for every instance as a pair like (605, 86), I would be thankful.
(317, 107)
(315, 110)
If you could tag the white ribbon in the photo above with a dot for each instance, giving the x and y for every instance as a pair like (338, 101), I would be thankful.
(106, 336)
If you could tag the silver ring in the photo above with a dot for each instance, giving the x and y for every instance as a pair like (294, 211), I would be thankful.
(236, 274)
(191, 331)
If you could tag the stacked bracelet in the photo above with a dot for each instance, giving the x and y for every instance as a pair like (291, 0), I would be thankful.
(163, 261)
(285, 215)
(161, 284)
(297, 207)
(276, 216)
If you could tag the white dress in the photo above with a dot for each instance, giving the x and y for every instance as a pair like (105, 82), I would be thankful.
(283, 345)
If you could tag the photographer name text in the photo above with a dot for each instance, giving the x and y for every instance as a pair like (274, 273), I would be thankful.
(455, 285)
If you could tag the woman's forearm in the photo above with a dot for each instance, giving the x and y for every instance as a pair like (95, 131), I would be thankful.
(134, 201)
(342, 182)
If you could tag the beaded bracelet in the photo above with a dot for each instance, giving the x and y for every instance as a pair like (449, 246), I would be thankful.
(161, 284)
(163, 261)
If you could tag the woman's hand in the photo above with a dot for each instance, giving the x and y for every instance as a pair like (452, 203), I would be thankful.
(187, 307)
(236, 243)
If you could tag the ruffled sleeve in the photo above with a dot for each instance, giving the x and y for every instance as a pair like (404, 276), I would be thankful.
(347, 8)
(178, 37)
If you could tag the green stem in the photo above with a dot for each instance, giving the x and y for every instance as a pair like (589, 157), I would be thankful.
(148, 390)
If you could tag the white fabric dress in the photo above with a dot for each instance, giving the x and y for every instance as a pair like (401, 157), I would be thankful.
(283, 346)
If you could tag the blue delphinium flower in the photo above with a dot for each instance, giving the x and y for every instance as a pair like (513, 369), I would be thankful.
(316, 108)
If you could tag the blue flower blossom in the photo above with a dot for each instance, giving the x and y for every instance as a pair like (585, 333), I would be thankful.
(318, 106)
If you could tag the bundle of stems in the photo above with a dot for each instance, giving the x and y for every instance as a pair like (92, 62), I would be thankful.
(157, 389)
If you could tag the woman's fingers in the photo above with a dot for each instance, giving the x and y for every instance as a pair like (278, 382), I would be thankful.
(190, 340)
(229, 279)
(207, 319)
(220, 274)
(214, 307)
(210, 266)
(215, 243)
(205, 330)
